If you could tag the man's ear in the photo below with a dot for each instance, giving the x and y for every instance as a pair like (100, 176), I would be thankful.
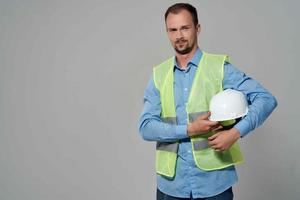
(198, 27)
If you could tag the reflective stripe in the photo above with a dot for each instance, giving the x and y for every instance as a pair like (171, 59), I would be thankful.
(195, 115)
(199, 145)
(170, 120)
(167, 146)
(202, 144)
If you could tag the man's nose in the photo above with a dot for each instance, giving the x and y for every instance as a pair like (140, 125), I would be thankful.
(179, 34)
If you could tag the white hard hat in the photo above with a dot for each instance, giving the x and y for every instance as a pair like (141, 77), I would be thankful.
(228, 104)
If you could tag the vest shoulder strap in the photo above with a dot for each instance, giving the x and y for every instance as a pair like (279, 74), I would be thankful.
(160, 72)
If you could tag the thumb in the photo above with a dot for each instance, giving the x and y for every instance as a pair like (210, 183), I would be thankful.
(205, 116)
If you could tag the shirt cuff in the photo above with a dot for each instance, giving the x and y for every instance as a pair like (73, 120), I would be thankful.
(181, 131)
(243, 128)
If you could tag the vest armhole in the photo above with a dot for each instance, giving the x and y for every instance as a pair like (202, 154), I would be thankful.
(155, 79)
(158, 69)
(226, 59)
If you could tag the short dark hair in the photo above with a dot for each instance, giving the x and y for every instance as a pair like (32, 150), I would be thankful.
(178, 7)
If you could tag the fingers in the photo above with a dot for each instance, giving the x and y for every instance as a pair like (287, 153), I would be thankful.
(212, 142)
(217, 127)
(202, 125)
(204, 118)
(209, 126)
(213, 136)
(212, 124)
(216, 142)
(216, 147)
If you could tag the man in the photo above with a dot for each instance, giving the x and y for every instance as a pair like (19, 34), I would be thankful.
(174, 116)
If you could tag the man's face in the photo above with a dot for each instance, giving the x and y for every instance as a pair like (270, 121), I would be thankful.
(182, 32)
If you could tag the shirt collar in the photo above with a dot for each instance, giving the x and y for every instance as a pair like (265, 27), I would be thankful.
(194, 61)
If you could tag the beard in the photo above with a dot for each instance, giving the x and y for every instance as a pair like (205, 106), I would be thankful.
(187, 49)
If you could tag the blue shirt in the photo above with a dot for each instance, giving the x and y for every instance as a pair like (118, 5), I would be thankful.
(189, 179)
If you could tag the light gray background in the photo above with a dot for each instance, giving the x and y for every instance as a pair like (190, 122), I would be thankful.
(72, 78)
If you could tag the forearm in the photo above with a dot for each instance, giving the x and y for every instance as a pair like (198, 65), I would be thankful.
(152, 129)
(259, 111)
(151, 126)
(261, 102)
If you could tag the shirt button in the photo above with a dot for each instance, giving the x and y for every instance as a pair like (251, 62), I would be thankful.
(185, 89)
(189, 151)
(190, 167)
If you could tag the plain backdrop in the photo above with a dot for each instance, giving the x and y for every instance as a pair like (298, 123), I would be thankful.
(72, 78)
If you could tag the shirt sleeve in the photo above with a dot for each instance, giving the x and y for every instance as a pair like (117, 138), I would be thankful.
(151, 127)
(261, 102)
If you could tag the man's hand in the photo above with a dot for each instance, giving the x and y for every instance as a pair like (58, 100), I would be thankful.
(202, 125)
(222, 141)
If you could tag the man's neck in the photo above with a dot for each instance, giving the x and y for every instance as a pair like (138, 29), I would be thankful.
(183, 59)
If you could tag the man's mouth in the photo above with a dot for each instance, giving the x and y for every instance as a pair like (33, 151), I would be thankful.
(181, 42)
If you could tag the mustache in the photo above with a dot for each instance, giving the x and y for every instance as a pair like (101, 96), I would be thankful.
(180, 40)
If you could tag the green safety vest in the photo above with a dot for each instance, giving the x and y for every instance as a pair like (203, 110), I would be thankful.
(207, 82)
